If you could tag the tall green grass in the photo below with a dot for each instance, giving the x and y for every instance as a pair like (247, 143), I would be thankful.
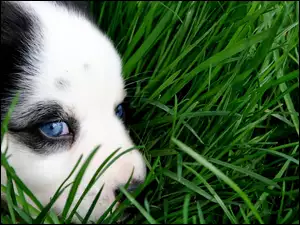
(214, 92)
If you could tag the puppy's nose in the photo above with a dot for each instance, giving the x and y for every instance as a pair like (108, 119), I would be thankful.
(131, 188)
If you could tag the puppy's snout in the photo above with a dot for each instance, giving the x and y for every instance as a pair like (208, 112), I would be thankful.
(131, 188)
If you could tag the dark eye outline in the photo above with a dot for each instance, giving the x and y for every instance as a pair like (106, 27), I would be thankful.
(119, 111)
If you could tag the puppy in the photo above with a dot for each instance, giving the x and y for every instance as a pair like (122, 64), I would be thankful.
(71, 89)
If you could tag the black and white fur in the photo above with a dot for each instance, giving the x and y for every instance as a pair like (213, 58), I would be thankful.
(65, 69)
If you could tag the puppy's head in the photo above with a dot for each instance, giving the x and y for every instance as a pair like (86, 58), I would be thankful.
(71, 90)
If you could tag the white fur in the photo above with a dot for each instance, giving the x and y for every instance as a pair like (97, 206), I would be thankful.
(69, 42)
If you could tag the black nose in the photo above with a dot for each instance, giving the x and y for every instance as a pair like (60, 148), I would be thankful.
(133, 186)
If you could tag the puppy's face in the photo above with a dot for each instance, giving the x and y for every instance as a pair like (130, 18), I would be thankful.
(69, 77)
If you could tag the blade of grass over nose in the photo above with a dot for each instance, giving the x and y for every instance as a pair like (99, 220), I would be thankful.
(115, 215)
(120, 207)
(99, 172)
(117, 157)
(89, 186)
(76, 183)
(95, 201)
(218, 173)
(41, 217)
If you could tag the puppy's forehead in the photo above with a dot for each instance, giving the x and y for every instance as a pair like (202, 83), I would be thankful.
(77, 64)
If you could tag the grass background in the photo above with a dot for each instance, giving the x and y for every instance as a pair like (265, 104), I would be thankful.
(213, 91)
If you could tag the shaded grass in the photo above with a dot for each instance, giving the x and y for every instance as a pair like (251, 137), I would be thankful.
(213, 88)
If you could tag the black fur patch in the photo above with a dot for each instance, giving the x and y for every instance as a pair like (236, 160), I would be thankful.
(17, 31)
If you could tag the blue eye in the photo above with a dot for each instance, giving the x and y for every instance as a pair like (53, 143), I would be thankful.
(120, 111)
(54, 129)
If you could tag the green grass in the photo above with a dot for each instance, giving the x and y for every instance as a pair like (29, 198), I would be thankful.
(214, 92)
